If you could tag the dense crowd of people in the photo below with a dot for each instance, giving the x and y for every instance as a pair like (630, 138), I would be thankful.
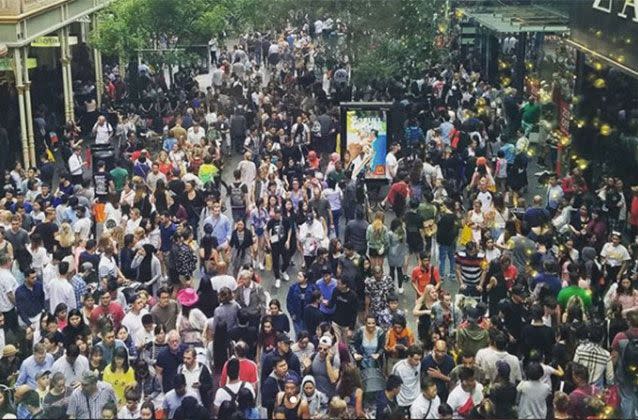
(236, 266)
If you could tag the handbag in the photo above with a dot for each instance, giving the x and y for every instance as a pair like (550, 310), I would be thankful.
(268, 261)
(466, 235)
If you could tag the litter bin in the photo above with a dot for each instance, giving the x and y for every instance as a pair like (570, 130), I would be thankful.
(103, 152)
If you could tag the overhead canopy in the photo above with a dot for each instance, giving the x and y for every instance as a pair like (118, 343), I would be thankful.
(517, 19)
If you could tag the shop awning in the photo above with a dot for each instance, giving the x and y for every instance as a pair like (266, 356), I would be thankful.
(517, 19)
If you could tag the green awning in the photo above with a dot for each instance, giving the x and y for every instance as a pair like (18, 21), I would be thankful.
(517, 19)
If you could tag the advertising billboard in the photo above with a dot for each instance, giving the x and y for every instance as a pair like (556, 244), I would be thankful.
(366, 136)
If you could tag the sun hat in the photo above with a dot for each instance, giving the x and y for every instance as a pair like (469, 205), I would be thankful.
(187, 297)
(9, 350)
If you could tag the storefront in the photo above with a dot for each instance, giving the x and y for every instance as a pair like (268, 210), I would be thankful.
(605, 124)
(37, 38)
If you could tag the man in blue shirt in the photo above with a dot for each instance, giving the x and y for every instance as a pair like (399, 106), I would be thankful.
(109, 343)
(438, 365)
(39, 361)
(549, 278)
(169, 359)
(167, 230)
(222, 227)
(326, 285)
(386, 403)
(29, 297)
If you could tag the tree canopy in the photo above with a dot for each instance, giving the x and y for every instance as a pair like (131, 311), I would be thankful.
(127, 26)
(384, 39)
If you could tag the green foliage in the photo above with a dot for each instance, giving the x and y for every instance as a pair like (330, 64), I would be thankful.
(127, 26)
(386, 38)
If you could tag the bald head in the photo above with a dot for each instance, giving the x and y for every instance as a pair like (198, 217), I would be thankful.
(537, 200)
(440, 345)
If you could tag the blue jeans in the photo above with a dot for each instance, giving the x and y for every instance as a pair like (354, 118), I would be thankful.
(336, 215)
(628, 401)
(299, 326)
(446, 251)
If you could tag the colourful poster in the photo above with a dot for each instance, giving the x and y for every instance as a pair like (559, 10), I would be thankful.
(367, 133)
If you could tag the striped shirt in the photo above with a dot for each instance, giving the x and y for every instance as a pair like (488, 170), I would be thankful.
(82, 406)
(598, 362)
(471, 267)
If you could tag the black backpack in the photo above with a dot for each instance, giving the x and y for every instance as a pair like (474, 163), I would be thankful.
(233, 395)
(629, 357)
(237, 199)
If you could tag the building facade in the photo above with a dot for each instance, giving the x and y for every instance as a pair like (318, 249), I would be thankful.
(35, 34)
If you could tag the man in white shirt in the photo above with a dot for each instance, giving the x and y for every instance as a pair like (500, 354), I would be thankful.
(72, 365)
(61, 291)
(318, 27)
(154, 176)
(487, 357)
(484, 196)
(102, 130)
(82, 226)
(426, 406)
(8, 286)
(195, 133)
(409, 370)
(50, 273)
(173, 398)
(460, 395)
(615, 257)
(133, 319)
(198, 378)
(232, 387)
(76, 165)
(391, 162)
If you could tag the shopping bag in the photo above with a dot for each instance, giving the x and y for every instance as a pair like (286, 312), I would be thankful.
(268, 262)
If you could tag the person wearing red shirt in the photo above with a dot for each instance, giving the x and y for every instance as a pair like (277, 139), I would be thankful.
(424, 274)
(510, 272)
(398, 195)
(574, 184)
(247, 368)
(108, 309)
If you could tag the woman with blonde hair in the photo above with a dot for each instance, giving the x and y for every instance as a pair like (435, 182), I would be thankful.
(141, 200)
(5, 219)
(164, 163)
(336, 408)
(5, 246)
(377, 238)
(423, 312)
(139, 237)
(65, 238)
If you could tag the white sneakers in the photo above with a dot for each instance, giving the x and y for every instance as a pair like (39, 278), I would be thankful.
(285, 276)
(400, 290)
(277, 283)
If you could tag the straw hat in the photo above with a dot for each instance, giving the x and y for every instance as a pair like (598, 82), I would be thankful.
(9, 350)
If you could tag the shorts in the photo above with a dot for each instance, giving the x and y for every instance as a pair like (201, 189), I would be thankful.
(374, 253)
(259, 231)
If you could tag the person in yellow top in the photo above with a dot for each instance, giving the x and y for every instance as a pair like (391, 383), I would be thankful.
(119, 374)
(207, 171)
